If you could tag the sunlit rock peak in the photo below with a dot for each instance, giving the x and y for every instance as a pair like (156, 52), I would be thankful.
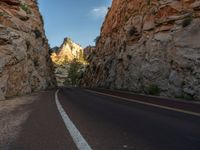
(68, 51)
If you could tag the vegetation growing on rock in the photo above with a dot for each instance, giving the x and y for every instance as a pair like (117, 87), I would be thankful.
(148, 43)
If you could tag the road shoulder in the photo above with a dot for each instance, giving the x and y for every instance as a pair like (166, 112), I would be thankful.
(43, 128)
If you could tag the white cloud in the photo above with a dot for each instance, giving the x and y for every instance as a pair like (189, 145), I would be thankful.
(99, 12)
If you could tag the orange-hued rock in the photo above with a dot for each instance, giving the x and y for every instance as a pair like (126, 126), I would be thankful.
(149, 45)
(25, 65)
(62, 58)
(68, 51)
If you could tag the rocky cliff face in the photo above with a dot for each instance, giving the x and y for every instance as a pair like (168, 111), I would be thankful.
(67, 52)
(24, 52)
(62, 58)
(149, 46)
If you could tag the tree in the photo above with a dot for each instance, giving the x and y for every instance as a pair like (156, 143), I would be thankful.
(96, 40)
(74, 73)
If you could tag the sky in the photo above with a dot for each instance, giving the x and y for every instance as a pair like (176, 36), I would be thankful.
(80, 20)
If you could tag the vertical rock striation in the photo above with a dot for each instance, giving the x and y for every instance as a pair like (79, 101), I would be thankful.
(149, 46)
(25, 65)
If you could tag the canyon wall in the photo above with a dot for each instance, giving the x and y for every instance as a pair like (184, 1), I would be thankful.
(25, 65)
(149, 46)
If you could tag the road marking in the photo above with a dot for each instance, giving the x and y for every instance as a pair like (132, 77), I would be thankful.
(78, 139)
(149, 104)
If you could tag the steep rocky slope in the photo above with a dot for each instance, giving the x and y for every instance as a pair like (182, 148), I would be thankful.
(149, 46)
(25, 65)
(63, 57)
(88, 51)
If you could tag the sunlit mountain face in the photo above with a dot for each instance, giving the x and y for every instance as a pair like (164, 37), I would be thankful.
(80, 20)
(68, 61)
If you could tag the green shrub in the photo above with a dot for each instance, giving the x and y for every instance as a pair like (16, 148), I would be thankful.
(153, 89)
(187, 21)
(96, 40)
(2, 13)
(148, 2)
(188, 97)
(184, 97)
(126, 18)
(154, 12)
(37, 32)
(120, 59)
(132, 31)
(74, 74)
(42, 20)
(36, 63)
(28, 44)
(25, 8)
(129, 57)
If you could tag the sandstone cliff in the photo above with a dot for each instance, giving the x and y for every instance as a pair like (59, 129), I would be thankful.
(67, 52)
(63, 58)
(25, 65)
(149, 46)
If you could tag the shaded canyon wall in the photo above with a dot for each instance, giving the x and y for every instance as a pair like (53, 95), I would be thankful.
(149, 46)
(25, 65)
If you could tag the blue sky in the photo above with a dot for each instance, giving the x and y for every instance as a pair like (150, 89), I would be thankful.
(80, 20)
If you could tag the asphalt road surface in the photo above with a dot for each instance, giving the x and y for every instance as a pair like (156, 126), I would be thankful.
(88, 120)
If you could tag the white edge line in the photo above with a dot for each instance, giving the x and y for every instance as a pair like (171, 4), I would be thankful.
(149, 104)
(78, 139)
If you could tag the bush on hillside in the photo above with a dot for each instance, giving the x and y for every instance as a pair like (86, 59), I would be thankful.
(187, 21)
(25, 8)
(75, 73)
(153, 89)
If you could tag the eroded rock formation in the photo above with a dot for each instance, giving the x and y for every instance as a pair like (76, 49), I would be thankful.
(149, 46)
(63, 57)
(68, 51)
(25, 65)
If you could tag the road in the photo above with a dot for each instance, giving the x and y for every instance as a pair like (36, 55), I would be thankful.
(105, 123)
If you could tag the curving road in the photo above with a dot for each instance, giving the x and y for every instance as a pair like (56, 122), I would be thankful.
(108, 122)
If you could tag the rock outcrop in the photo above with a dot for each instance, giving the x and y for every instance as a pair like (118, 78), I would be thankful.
(88, 51)
(149, 46)
(68, 51)
(62, 58)
(25, 64)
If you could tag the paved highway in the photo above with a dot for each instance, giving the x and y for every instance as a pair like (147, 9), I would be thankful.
(74, 118)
